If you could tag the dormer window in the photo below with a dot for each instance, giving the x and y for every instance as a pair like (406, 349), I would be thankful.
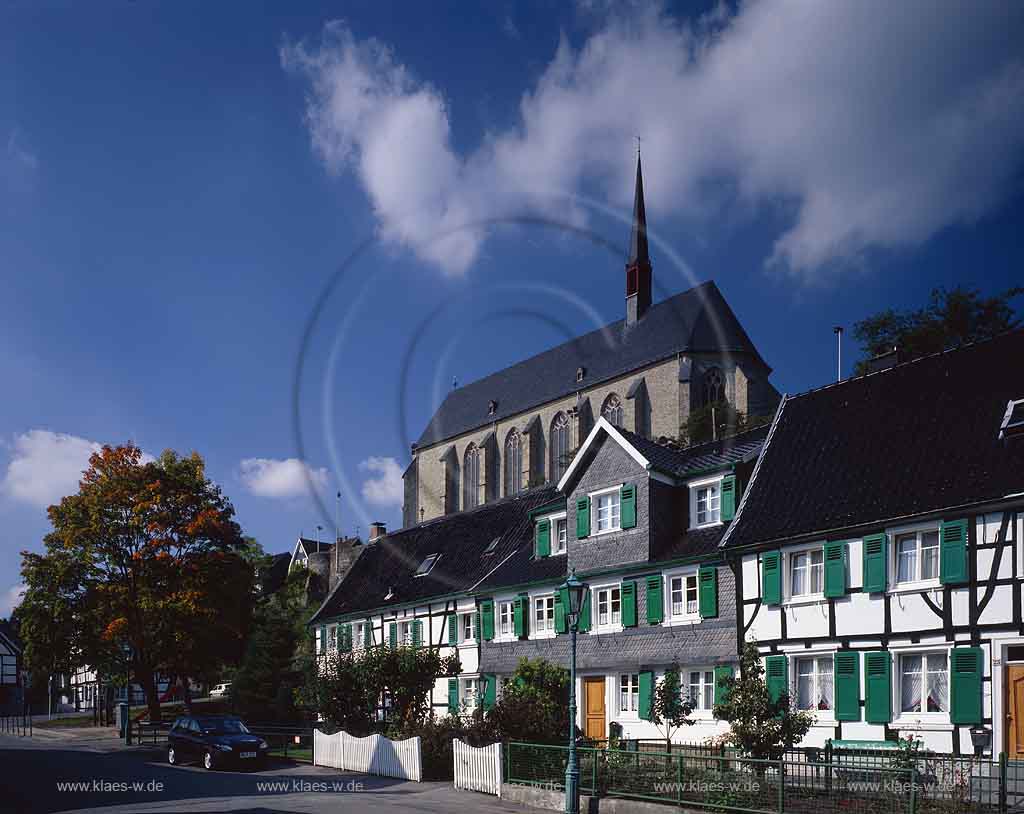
(706, 502)
(426, 565)
(580, 373)
(492, 407)
(390, 594)
(1013, 420)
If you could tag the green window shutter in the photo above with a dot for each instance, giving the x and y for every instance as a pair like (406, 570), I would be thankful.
(521, 616)
(393, 635)
(655, 605)
(877, 688)
(728, 503)
(453, 629)
(846, 684)
(876, 563)
(476, 626)
(490, 691)
(835, 569)
(487, 618)
(584, 623)
(561, 606)
(629, 604)
(707, 591)
(346, 638)
(771, 577)
(582, 518)
(453, 696)
(953, 552)
(967, 672)
(367, 634)
(544, 538)
(646, 694)
(722, 693)
(627, 506)
(776, 676)
(417, 632)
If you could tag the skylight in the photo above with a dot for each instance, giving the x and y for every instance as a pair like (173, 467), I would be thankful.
(426, 565)
(492, 545)
(1013, 420)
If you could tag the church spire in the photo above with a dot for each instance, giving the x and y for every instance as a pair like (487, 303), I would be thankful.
(638, 266)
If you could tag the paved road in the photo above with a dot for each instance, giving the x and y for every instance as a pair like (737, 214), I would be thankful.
(33, 774)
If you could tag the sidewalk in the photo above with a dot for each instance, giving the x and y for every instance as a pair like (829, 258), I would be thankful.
(93, 739)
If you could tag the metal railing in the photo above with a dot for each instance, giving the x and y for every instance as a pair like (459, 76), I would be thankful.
(291, 741)
(831, 783)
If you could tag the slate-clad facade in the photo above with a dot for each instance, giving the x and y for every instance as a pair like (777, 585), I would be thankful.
(879, 552)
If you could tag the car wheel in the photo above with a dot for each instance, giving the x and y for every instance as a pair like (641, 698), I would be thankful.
(208, 759)
(171, 757)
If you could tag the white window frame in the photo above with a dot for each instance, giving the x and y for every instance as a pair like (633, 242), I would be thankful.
(696, 485)
(699, 711)
(610, 626)
(332, 638)
(595, 531)
(358, 635)
(553, 520)
(681, 618)
(632, 690)
(814, 596)
(467, 699)
(466, 622)
(499, 606)
(894, 558)
(535, 631)
(404, 632)
(827, 715)
(901, 718)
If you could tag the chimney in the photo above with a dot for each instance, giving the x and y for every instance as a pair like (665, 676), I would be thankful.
(377, 529)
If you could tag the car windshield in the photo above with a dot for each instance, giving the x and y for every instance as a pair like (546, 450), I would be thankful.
(223, 726)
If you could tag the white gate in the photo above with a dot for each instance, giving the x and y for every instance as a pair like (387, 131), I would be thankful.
(477, 769)
(373, 755)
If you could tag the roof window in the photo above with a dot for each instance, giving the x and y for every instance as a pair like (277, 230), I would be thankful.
(426, 565)
(1013, 420)
(492, 545)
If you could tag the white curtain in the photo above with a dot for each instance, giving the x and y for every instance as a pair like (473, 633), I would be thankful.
(938, 683)
(910, 684)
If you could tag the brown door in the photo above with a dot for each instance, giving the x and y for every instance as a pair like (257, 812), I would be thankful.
(1015, 711)
(593, 708)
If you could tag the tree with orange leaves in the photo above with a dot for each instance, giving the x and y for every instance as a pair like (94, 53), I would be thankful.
(152, 550)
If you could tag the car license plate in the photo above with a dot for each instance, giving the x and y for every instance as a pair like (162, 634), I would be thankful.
(248, 754)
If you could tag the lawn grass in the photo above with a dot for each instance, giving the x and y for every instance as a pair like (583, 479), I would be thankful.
(78, 722)
(303, 753)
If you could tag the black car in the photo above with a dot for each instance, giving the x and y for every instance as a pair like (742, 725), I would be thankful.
(216, 740)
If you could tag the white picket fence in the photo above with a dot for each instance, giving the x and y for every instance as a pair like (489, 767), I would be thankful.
(477, 769)
(372, 755)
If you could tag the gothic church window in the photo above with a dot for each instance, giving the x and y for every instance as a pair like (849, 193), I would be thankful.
(471, 478)
(513, 463)
(714, 386)
(612, 410)
(559, 446)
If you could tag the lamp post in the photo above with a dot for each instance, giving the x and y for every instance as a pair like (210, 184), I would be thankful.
(575, 590)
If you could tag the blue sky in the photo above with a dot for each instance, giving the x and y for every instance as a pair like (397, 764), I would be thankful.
(181, 184)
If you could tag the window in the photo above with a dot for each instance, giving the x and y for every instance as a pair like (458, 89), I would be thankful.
(708, 504)
(358, 635)
(924, 683)
(559, 446)
(405, 634)
(332, 638)
(609, 607)
(466, 627)
(611, 410)
(917, 556)
(544, 614)
(505, 627)
(471, 478)
(580, 373)
(714, 386)
(683, 595)
(629, 692)
(606, 511)
(702, 689)
(807, 573)
(513, 463)
(469, 692)
(559, 535)
(425, 566)
(1013, 419)
(814, 683)
(8, 670)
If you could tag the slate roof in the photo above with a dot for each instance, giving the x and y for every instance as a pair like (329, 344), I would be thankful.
(918, 438)
(390, 562)
(689, 461)
(7, 632)
(698, 319)
(311, 546)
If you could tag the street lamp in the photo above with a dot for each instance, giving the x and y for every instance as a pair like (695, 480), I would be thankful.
(575, 591)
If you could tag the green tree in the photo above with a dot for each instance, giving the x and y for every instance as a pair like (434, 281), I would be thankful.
(534, 704)
(951, 318)
(670, 712)
(760, 726)
(142, 560)
(714, 421)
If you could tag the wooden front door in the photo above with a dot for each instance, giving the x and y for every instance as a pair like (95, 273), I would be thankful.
(1015, 711)
(593, 708)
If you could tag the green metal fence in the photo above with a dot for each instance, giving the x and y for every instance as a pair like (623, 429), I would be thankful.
(840, 784)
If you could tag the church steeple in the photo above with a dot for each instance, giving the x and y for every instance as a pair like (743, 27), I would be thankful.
(638, 266)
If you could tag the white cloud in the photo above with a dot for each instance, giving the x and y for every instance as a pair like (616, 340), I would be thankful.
(19, 153)
(269, 477)
(868, 124)
(10, 599)
(385, 489)
(45, 466)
